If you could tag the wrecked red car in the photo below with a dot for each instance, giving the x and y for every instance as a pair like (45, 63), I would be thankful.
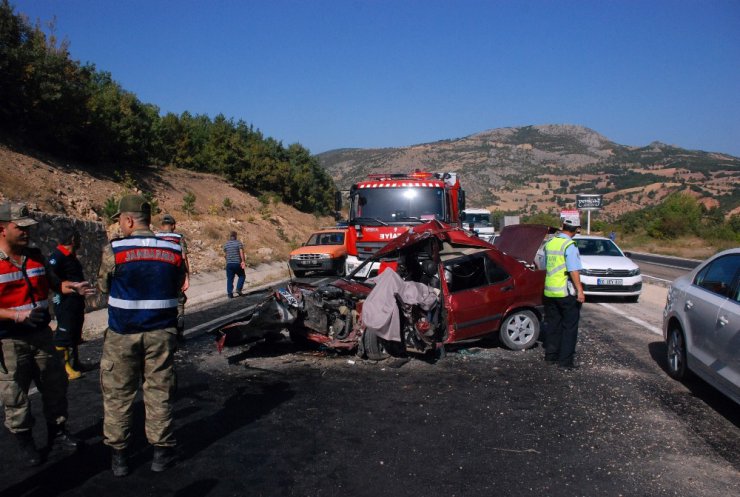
(437, 285)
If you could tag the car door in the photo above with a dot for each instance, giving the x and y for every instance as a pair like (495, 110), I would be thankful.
(727, 339)
(728, 362)
(479, 292)
(704, 298)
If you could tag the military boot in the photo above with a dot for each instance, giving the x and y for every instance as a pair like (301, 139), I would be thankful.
(163, 458)
(72, 374)
(27, 449)
(57, 435)
(119, 462)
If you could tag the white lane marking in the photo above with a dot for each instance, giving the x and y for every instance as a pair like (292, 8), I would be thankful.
(225, 318)
(656, 278)
(644, 324)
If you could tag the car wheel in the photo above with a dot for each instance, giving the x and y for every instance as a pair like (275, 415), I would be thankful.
(298, 273)
(340, 270)
(373, 345)
(520, 330)
(676, 354)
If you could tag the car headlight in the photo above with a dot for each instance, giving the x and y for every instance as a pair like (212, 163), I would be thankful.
(324, 256)
(295, 257)
(634, 272)
(585, 272)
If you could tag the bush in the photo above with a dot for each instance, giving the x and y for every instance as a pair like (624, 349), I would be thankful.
(188, 203)
(109, 209)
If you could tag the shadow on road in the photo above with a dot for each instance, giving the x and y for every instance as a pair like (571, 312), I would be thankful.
(699, 388)
(239, 410)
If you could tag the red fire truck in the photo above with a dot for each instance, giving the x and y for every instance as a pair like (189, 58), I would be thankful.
(384, 206)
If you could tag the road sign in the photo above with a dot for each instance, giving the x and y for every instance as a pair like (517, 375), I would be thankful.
(589, 202)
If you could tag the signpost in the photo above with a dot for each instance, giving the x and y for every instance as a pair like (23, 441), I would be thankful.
(589, 202)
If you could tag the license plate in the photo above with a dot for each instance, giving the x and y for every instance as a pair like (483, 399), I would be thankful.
(306, 263)
(604, 281)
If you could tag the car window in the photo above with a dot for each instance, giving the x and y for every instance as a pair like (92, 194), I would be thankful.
(495, 273)
(597, 247)
(473, 271)
(314, 240)
(717, 277)
(465, 273)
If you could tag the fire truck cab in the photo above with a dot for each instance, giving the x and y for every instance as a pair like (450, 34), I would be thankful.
(384, 206)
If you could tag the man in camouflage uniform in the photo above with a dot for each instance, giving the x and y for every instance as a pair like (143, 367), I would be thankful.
(167, 227)
(142, 275)
(26, 350)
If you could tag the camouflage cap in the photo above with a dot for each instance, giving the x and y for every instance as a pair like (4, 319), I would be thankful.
(16, 213)
(168, 219)
(133, 203)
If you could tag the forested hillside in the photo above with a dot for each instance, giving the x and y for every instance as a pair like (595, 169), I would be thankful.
(54, 104)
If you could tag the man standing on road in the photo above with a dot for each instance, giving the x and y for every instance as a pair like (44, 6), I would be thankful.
(143, 276)
(563, 296)
(236, 263)
(69, 309)
(26, 350)
(167, 232)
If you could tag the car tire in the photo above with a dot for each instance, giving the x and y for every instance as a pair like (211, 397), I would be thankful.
(339, 271)
(676, 354)
(520, 330)
(373, 346)
(298, 273)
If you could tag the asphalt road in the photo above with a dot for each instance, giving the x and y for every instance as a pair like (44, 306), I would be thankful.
(276, 420)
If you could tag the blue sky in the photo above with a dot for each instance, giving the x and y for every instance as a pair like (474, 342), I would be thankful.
(383, 73)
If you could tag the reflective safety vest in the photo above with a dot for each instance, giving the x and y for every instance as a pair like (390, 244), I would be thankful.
(145, 284)
(556, 281)
(23, 287)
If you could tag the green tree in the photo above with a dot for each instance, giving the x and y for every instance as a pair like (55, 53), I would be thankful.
(188, 203)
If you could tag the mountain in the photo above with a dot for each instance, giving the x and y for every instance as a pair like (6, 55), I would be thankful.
(542, 168)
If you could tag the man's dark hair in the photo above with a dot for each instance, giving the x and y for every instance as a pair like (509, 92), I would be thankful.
(569, 228)
(68, 235)
(232, 235)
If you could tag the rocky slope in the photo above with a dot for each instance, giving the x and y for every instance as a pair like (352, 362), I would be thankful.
(541, 168)
(269, 230)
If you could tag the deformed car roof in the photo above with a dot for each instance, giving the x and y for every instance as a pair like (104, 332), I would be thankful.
(520, 241)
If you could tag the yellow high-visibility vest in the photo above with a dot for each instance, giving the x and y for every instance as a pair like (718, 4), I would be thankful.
(556, 281)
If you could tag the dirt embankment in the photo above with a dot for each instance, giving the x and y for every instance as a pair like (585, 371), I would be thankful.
(269, 230)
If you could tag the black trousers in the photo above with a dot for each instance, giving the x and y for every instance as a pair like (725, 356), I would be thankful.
(70, 315)
(561, 328)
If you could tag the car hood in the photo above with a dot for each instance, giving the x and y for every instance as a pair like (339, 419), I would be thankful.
(319, 249)
(522, 241)
(607, 262)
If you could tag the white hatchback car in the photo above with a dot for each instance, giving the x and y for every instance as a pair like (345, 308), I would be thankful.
(701, 323)
(607, 271)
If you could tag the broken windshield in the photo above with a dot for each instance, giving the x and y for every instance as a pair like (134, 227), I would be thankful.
(398, 205)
